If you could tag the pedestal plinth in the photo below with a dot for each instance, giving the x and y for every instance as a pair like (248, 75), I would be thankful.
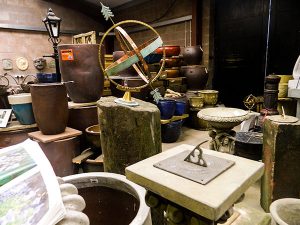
(128, 134)
(209, 201)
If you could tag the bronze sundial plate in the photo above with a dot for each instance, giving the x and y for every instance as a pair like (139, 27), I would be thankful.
(191, 171)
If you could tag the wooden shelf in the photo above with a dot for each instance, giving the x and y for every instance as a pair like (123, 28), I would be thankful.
(69, 132)
(174, 118)
(15, 125)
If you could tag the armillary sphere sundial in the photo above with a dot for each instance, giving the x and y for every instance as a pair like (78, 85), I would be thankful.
(134, 56)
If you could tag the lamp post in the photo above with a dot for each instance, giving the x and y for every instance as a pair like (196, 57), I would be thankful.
(52, 24)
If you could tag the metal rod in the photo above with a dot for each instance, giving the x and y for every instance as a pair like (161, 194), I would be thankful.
(268, 38)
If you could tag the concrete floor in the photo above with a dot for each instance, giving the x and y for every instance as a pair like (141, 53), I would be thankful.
(194, 137)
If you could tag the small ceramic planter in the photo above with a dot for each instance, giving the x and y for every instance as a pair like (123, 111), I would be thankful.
(50, 107)
(22, 107)
(196, 102)
(210, 97)
(167, 108)
(170, 132)
(180, 108)
(93, 136)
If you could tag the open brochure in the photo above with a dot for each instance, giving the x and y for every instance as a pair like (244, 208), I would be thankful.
(29, 191)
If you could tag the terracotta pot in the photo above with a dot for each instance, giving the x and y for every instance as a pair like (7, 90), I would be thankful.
(80, 63)
(50, 107)
(172, 62)
(127, 72)
(93, 136)
(60, 154)
(192, 55)
(171, 50)
(172, 72)
(196, 75)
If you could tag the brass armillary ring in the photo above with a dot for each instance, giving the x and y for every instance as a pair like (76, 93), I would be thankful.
(133, 55)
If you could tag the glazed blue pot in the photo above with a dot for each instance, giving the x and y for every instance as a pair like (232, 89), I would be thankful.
(180, 108)
(46, 77)
(167, 108)
(22, 108)
(153, 58)
(170, 132)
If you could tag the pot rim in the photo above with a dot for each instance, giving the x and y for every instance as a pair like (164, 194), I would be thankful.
(47, 84)
(17, 99)
(282, 201)
(192, 66)
(118, 182)
(93, 132)
(63, 45)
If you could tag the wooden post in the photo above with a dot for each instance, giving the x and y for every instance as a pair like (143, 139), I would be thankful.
(128, 134)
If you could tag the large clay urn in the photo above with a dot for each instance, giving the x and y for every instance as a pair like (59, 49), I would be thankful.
(80, 63)
(192, 55)
(196, 76)
(50, 107)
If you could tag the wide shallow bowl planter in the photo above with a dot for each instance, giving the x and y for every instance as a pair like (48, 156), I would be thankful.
(286, 211)
(172, 62)
(22, 106)
(153, 58)
(223, 118)
(171, 50)
(111, 199)
(172, 72)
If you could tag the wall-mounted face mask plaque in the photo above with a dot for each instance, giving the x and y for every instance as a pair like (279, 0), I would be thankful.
(39, 63)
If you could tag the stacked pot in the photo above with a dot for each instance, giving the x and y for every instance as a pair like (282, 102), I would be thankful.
(170, 131)
(172, 60)
(195, 73)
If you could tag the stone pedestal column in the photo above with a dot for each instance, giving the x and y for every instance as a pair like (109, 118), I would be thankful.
(281, 154)
(128, 134)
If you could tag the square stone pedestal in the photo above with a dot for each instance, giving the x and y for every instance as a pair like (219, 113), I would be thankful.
(210, 201)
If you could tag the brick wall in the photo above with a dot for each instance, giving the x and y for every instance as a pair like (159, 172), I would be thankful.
(175, 34)
(31, 44)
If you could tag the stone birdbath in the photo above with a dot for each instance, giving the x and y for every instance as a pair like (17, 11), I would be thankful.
(223, 120)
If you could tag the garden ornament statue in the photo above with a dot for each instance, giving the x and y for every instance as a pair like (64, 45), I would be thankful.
(134, 56)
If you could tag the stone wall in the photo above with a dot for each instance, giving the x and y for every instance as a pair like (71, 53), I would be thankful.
(31, 44)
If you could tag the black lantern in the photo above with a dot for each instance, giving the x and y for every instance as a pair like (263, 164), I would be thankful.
(52, 24)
